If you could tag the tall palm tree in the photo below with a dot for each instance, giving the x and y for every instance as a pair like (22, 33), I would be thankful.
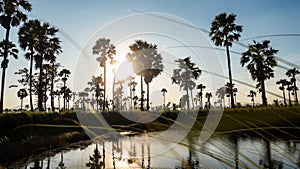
(201, 87)
(106, 50)
(221, 92)
(223, 32)
(28, 41)
(289, 88)
(260, 62)
(283, 83)
(292, 73)
(185, 76)
(252, 94)
(235, 90)
(64, 74)
(164, 91)
(46, 47)
(131, 85)
(147, 62)
(22, 93)
(11, 15)
(208, 95)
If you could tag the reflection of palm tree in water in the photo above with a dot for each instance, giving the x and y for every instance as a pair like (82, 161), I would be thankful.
(61, 164)
(266, 161)
(95, 160)
(37, 164)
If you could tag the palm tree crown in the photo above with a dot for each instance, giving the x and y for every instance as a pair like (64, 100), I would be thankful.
(260, 62)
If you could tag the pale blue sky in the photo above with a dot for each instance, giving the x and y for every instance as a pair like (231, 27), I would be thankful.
(79, 20)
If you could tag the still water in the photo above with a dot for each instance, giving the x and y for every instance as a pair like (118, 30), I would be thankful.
(148, 151)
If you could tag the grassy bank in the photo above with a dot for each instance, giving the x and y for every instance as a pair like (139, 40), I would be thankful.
(24, 134)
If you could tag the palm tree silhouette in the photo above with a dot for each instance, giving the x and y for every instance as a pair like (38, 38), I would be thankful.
(201, 87)
(131, 85)
(64, 74)
(22, 93)
(184, 77)
(27, 41)
(47, 45)
(223, 32)
(292, 73)
(283, 83)
(221, 92)
(11, 15)
(147, 62)
(164, 91)
(290, 88)
(260, 61)
(106, 50)
(208, 96)
(252, 94)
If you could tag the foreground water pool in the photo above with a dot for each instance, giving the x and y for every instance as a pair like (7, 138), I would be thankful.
(148, 151)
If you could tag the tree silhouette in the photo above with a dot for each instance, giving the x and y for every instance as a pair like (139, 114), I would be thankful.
(22, 93)
(201, 87)
(223, 32)
(27, 41)
(131, 85)
(252, 94)
(11, 15)
(292, 73)
(47, 46)
(64, 74)
(290, 88)
(185, 76)
(208, 95)
(221, 92)
(95, 87)
(146, 62)
(106, 50)
(283, 83)
(260, 62)
(164, 91)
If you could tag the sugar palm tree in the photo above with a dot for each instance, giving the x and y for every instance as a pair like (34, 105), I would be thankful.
(185, 76)
(106, 51)
(131, 85)
(164, 91)
(260, 62)
(11, 15)
(64, 74)
(208, 95)
(224, 32)
(283, 83)
(28, 41)
(221, 92)
(289, 88)
(22, 93)
(292, 73)
(252, 94)
(201, 87)
(146, 62)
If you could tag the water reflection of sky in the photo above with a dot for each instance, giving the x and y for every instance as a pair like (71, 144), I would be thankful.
(142, 153)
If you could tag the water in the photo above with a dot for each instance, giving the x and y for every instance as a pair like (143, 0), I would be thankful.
(148, 151)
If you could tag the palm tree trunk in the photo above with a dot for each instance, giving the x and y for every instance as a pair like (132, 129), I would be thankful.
(142, 95)
(148, 106)
(40, 87)
(192, 99)
(188, 99)
(45, 92)
(104, 92)
(295, 91)
(52, 89)
(164, 94)
(289, 94)
(30, 81)
(253, 101)
(284, 100)
(230, 77)
(263, 93)
(21, 104)
(130, 97)
(4, 66)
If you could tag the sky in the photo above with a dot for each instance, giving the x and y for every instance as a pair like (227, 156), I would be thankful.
(171, 23)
